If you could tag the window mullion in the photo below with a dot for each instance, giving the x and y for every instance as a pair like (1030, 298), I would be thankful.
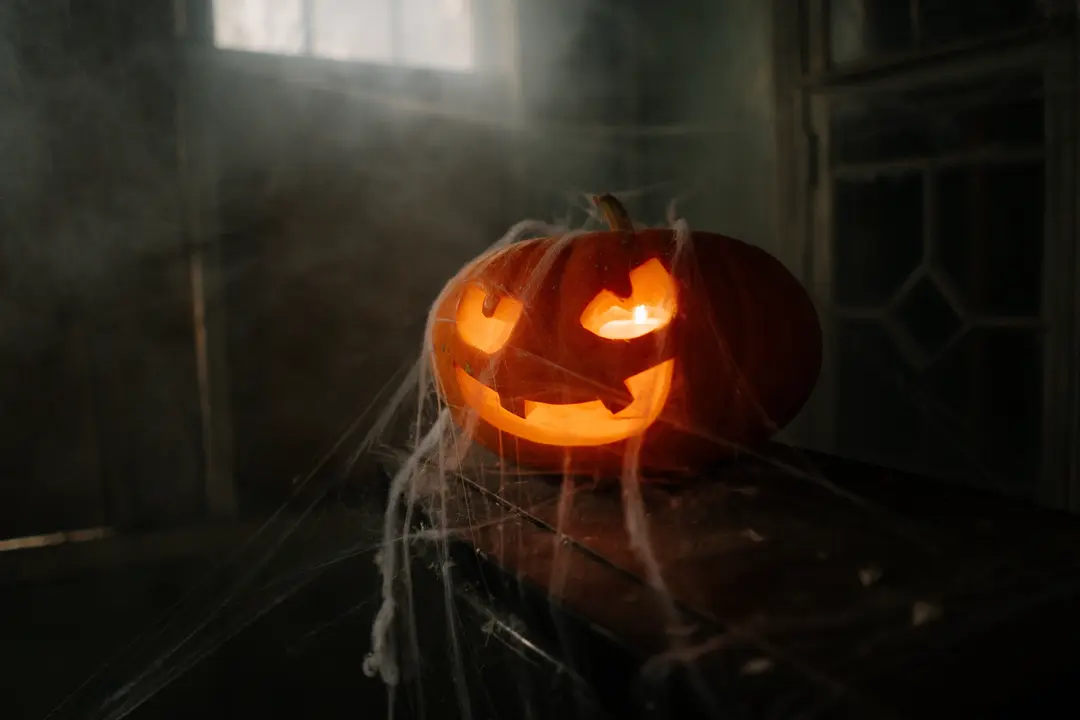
(307, 21)
(397, 32)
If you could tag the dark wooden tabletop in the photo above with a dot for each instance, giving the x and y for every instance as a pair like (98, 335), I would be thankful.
(796, 585)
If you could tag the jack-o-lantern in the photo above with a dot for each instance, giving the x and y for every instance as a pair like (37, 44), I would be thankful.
(556, 353)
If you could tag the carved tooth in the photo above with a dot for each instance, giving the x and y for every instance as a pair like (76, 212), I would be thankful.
(513, 404)
(616, 402)
(491, 302)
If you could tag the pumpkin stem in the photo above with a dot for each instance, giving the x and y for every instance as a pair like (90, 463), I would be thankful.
(614, 213)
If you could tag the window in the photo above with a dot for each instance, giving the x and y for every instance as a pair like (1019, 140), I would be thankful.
(435, 34)
(931, 185)
(935, 197)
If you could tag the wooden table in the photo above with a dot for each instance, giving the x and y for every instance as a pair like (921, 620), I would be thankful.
(797, 586)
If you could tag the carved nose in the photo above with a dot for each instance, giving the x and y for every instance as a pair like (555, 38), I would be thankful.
(512, 403)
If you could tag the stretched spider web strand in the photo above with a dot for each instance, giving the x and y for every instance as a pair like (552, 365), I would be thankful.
(381, 661)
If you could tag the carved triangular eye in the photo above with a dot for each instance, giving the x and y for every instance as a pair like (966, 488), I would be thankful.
(651, 305)
(485, 333)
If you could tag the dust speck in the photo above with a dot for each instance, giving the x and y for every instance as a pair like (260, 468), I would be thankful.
(753, 535)
(756, 666)
(923, 612)
(869, 575)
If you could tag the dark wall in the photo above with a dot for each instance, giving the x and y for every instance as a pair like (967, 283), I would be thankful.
(670, 101)
(341, 218)
(710, 71)
(97, 387)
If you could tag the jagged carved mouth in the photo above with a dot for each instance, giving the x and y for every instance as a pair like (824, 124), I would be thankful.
(583, 424)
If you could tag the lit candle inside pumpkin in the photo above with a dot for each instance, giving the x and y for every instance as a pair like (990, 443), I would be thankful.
(650, 306)
(640, 321)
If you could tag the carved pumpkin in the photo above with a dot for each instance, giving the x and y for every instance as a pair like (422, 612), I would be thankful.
(563, 351)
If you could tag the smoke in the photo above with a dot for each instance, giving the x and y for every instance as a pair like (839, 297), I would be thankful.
(339, 198)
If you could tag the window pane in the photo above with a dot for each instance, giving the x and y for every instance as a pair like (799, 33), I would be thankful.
(866, 29)
(926, 316)
(269, 26)
(990, 236)
(989, 394)
(862, 30)
(879, 417)
(437, 34)
(948, 20)
(352, 30)
(1002, 111)
(878, 237)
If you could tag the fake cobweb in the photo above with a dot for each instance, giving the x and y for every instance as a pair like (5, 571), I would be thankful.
(682, 573)
(429, 505)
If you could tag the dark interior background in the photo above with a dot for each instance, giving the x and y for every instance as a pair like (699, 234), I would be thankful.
(263, 234)
(213, 261)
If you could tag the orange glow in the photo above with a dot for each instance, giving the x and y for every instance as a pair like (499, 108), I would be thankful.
(650, 307)
(577, 424)
(486, 334)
